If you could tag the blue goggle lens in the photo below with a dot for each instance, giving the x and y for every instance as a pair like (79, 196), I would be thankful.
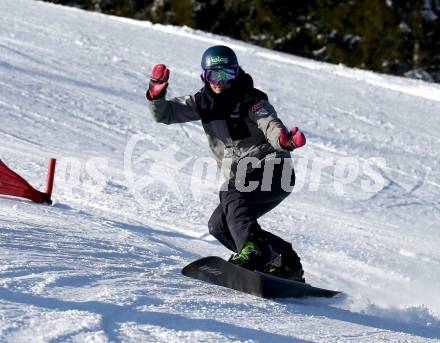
(221, 75)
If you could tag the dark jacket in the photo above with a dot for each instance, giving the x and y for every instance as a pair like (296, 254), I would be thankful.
(239, 122)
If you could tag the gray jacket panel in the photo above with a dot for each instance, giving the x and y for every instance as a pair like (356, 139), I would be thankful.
(176, 110)
(268, 122)
(262, 123)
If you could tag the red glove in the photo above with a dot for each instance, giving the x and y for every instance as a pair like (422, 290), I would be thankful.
(158, 82)
(292, 140)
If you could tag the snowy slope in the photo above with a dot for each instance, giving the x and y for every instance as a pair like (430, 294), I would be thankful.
(103, 264)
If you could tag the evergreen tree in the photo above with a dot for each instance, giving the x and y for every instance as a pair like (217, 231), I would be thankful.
(393, 36)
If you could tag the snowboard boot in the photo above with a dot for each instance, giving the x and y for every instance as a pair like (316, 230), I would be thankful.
(253, 256)
(287, 266)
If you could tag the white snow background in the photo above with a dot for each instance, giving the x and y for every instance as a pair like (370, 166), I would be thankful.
(103, 263)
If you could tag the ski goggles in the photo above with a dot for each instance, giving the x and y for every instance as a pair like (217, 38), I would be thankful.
(220, 75)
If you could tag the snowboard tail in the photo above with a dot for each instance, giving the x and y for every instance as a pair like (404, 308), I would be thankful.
(217, 271)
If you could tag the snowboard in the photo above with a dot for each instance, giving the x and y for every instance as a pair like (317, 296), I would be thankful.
(217, 271)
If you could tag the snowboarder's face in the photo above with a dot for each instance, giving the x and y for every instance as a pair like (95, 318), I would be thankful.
(217, 89)
(220, 79)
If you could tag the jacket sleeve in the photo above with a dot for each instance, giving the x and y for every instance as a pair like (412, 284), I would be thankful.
(176, 110)
(264, 114)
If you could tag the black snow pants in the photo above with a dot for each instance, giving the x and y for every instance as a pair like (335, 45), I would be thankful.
(235, 218)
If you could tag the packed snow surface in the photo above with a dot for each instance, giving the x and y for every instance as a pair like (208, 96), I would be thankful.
(130, 208)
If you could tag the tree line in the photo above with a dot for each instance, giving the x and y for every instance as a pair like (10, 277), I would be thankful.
(395, 37)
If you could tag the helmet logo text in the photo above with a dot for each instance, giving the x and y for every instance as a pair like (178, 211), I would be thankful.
(214, 60)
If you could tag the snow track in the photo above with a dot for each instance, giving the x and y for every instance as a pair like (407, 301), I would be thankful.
(103, 264)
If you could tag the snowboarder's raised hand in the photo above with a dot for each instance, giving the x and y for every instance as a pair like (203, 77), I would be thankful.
(158, 82)
(292, 140)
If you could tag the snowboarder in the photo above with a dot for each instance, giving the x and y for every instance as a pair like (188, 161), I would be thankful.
(240, 123)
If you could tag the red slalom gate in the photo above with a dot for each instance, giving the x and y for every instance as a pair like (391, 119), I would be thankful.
(14, 185)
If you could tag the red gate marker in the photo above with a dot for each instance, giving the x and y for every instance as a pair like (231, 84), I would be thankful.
(13, 184)
(50, 178)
